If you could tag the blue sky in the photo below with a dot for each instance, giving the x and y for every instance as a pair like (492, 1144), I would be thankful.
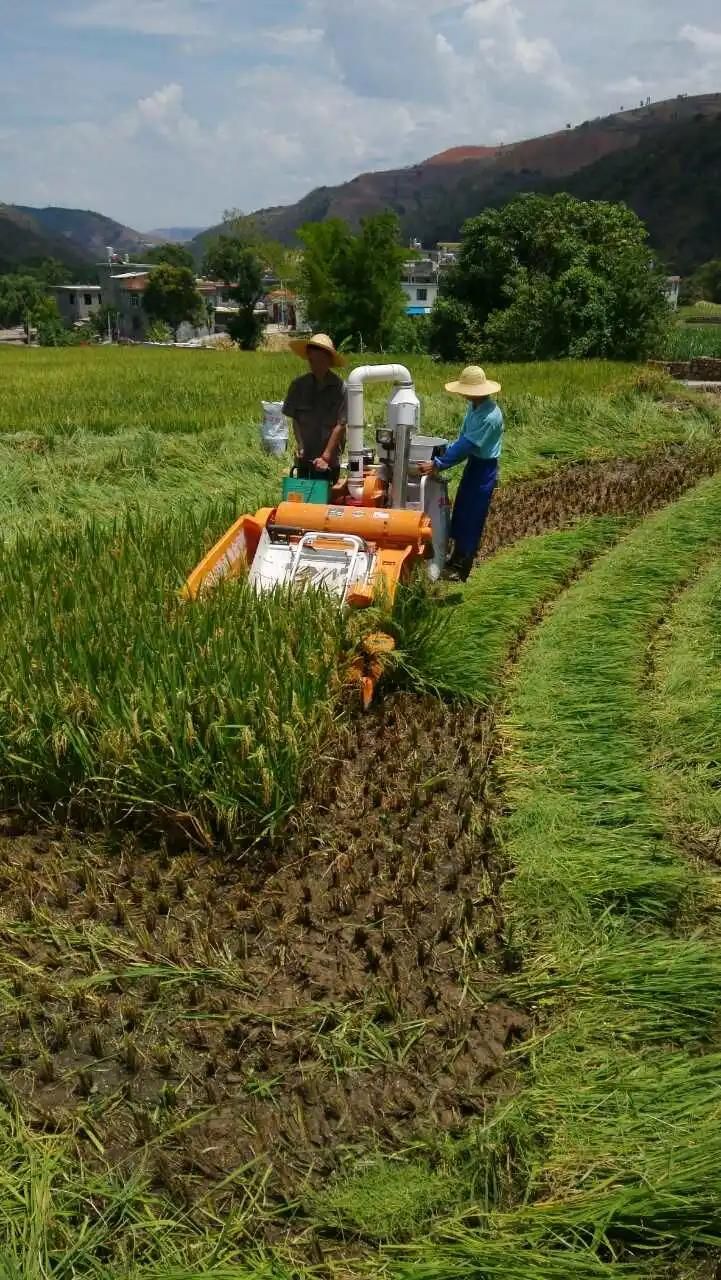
(163, 112)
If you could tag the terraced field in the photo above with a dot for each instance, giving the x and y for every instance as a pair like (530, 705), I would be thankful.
(433, 992)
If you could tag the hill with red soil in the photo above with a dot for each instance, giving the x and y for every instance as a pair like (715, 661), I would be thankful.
(435, 197)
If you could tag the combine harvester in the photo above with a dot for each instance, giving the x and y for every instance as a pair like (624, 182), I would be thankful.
(360, 538)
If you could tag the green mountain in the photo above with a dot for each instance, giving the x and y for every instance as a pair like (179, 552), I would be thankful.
(24, 243)
(87, 233)
(673, 182)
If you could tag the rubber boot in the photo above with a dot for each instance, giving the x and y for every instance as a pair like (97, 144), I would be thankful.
(458, 568)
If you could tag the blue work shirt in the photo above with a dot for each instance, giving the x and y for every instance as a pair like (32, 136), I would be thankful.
(481, 436)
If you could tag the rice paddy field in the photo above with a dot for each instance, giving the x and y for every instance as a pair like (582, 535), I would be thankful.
(287, 991)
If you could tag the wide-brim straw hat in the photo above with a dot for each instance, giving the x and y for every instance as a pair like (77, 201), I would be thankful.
(473, 383)
(320, 340)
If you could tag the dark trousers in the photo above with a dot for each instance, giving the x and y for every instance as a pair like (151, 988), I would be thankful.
(306, 471)
(471, 507)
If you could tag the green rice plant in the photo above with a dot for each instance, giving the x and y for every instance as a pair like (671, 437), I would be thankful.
(585, 831)
(88, 432)
(652, 989)
(55, 481)
(469, 1256)
(120, 701)
(461, 651)
(630, 1116)
(61, 1219)
(115, 389)
(686, 691)
(383, 1200)
(689, 341)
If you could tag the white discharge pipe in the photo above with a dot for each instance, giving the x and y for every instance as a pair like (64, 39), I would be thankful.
(396, 373)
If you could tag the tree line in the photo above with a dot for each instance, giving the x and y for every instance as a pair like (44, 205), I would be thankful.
(544, 277)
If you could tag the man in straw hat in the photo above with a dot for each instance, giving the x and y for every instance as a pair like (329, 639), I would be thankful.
(316, 403)
(480, 443)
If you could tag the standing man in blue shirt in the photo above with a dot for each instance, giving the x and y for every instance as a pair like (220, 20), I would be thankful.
(480, 443)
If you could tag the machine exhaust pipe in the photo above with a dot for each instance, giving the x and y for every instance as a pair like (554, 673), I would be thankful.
(395, 373)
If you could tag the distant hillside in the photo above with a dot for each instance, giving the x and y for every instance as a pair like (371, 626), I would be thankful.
(174, 235)
(673, 181)
(87, 233)
(24, 243)
(435, 197)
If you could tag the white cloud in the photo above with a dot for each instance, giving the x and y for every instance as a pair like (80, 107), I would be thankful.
(280, 96)
(500, 32)
(704, 41)
(290, 37)
(144, 17)
(164, 113)
(629, 88)
(535, 56)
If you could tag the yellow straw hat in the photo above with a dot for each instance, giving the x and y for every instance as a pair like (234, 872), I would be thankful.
(321, 340)
(473, 383)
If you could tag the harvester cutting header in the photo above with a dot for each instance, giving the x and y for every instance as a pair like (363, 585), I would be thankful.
(362, 534)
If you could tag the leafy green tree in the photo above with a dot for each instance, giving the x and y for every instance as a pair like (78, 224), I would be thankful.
(172, 255)
(235, 263)
(274, 258)
(452, 330)
(352, 283)
(410, 336)
(171, 296)
(46, 320)
(707, 281)
(550, 277)
(102, 319)
(50, 271)
(19, 295)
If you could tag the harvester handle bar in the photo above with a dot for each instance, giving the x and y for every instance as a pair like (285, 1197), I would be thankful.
(354, 544)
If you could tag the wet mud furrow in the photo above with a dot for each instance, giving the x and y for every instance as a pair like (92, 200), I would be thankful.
(615, 487)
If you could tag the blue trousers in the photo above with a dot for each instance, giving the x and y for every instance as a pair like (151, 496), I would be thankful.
(470, 509)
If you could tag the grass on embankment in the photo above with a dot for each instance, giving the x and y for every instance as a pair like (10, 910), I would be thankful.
(586, 832)
(119, 701)
(612, 1152)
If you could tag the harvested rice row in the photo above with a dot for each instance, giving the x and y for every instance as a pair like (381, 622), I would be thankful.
(460, 644)
(686, 700)
(586, 833)
(608, 1162)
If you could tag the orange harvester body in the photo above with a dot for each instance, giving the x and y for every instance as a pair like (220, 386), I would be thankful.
(381, 519)
(395, 538)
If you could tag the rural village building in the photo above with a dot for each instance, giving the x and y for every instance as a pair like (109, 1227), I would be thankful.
(77, 302)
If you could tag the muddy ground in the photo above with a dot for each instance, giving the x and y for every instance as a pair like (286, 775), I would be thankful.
(332, 999)
(615, 487)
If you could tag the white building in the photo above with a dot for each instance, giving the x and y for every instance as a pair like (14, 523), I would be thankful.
(420, 285)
